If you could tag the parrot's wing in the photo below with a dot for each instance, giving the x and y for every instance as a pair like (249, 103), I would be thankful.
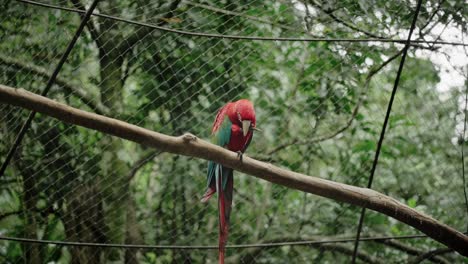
(220, 116)
(220, 137)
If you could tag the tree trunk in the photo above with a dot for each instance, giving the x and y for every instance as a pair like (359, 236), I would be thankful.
(31, 251)
(113, 181)
(133, 235)
(83, 221)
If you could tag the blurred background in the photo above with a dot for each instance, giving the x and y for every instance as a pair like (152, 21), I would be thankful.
(169, 66)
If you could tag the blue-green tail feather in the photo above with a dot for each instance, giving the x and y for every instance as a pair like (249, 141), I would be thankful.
(219, 171)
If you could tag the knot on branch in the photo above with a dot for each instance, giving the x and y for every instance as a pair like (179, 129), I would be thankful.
(187, 137)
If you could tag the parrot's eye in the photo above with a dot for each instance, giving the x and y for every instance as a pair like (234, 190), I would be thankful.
(239, 116)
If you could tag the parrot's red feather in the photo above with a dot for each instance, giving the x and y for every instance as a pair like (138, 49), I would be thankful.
(207, 195)
(220, 117)
(222, 223)
(225, 205)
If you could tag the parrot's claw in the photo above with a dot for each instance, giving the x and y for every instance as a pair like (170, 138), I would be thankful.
(239, 155)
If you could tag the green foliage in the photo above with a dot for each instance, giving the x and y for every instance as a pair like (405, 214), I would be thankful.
(312, 101)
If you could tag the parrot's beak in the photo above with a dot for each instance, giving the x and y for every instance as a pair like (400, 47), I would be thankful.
(246, 126)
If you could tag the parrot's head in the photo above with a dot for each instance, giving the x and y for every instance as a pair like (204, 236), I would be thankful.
(245, 115)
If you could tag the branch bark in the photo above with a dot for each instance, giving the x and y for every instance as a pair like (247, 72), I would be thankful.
(189, 145)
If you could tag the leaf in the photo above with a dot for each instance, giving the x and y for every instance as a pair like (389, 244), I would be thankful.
(364, 146)
(412, 202)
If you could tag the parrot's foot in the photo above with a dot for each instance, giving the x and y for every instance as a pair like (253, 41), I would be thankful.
(239, 155)
(187, 137)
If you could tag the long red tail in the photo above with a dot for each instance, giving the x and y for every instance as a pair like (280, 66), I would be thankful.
(224, 207)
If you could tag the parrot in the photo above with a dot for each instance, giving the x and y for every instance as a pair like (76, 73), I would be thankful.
(232, 129)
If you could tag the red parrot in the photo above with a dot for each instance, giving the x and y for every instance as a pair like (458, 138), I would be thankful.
(232, 129)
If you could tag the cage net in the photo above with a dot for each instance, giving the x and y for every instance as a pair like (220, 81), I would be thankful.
(168, 66)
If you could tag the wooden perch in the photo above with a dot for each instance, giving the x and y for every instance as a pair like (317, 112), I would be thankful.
(189, 145)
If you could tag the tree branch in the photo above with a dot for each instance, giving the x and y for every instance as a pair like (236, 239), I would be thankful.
(142, 162)
(412, 251)
(41, 72)
(189, 145)
(43, 211)
(347, 251)
(429, 20)
(431, 254)
(356, 28)
(344, 23)
(140, 33)
(7, 214)
(248, 17)
(90, 25)
(414, 43)
(251, 255)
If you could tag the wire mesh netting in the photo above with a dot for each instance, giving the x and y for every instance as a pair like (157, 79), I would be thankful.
(320, 75)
